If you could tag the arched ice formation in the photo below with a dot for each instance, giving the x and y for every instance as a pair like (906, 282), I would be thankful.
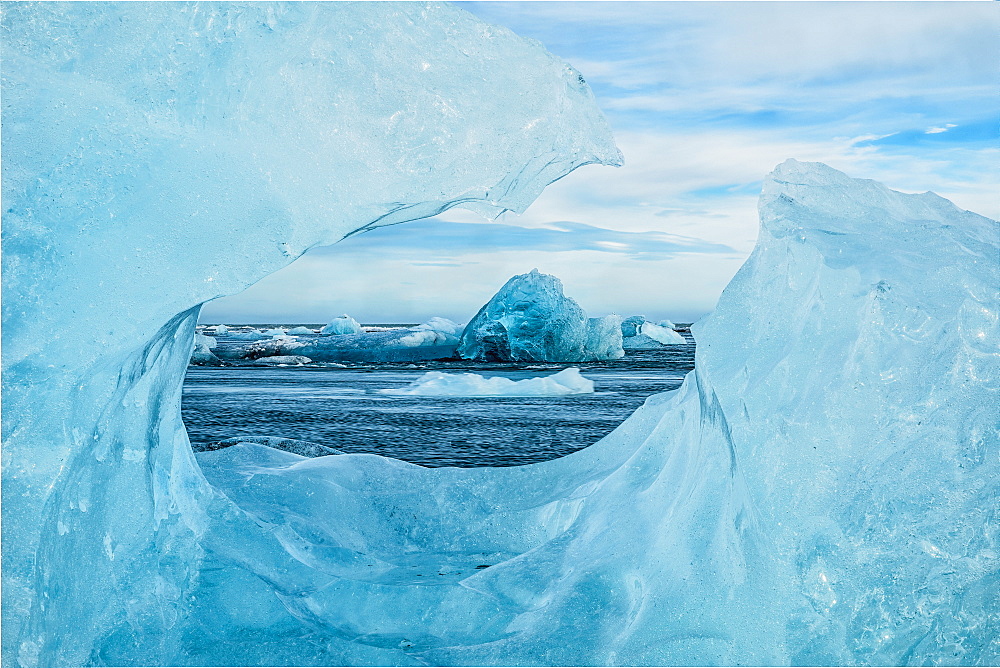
(822, 489)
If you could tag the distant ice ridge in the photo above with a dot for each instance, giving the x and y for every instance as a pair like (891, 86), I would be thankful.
(438, 384)
(299, 331)
(530, 320)
(345, 324)
(182, 152)
(434, 339)
(817, 494)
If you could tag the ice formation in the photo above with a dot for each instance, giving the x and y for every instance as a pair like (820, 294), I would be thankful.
(250, 335)
(438, 384)
(641, 334)
(282, 360)
(221, 330)
(530, 320)
(414, 344)
(667, 323)
(818, 495)
(173, 153)
(299, 331)
(345, 324)
(824, 492)
(202, 351)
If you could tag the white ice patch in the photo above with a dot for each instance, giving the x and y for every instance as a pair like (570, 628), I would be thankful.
(438, 384)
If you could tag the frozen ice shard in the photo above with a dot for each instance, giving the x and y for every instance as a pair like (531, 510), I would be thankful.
(156, 156)
(530, 320)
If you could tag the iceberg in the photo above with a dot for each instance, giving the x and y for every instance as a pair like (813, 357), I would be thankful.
(819, 495)
(281, 360)
(250, 335)
(392, 345)
(641, 334)
(345, 324)
(299, 331)
(530, 320)
(221, 330)
(202, 351)
(179, 153)
(439, 384)
(667, 323)
(651, 336)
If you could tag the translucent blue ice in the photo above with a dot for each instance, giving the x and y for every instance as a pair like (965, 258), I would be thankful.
(824, 492)
(156, 156)
(823, 489)
(530, 320)
(345, 324)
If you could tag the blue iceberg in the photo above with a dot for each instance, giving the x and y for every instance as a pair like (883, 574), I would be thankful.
(530, 320)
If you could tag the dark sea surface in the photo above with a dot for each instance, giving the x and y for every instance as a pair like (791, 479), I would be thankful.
(340, 407)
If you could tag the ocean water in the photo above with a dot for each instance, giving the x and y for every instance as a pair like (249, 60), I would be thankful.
(340, 407)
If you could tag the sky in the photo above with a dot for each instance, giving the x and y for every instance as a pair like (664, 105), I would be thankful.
(704, 100)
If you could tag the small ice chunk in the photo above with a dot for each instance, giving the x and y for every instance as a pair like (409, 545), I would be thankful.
(276, 332)
(201, 352)
(221, 330)
(298, 331)
(631, 325)
(438, 384)
(278, 360)
(434, 332)
(665, 335)
(249, 335)
(345, 324)
(667, 323)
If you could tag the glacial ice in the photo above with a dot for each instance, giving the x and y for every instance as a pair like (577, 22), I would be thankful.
(221, 330)
(345, 324)
(439, 384)
(823, 492)
(299, 331)
(665, 335)
(641, 334)
(667, 323)
(202, 351)
(530, 320)
(159, 155)
(249, 335)
(650, 335)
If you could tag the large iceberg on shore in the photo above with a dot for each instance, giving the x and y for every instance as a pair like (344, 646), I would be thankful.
(174, 153)
(530, 320)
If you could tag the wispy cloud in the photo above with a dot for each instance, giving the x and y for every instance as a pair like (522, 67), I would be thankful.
(444, 239)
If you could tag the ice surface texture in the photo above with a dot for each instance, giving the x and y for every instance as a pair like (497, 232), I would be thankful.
(157, 156)
(824, 492)
(530, 320)
(438, 384)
